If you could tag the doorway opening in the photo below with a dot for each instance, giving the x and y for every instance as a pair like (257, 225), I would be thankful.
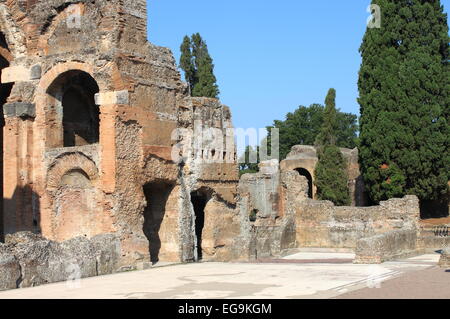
(199, 199)
(156, 195)
(305, 173)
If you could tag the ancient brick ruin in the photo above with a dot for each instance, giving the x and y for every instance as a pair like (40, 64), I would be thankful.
(95, 118)
(90, 108)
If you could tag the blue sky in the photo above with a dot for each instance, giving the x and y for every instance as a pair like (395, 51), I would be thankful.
(271, 56)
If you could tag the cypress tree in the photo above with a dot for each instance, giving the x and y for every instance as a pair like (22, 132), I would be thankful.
(331, 171)
(327, 135)
(198, 67)
(187, 63)
(404, 85)
(205, 85)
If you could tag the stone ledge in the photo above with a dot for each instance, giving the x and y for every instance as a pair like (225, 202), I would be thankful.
(385, 247)
(112, 98)
(21, 73)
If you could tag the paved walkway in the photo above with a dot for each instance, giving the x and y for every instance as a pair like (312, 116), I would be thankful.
(301, 275)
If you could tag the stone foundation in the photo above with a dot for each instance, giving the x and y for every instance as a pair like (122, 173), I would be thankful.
(28, 260)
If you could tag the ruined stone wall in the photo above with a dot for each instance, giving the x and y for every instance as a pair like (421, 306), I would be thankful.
(97, 184)
(208, 165)
(321, 224)
(277, 215)
(267, 206)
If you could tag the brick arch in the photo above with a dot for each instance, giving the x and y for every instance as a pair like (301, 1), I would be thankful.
(70, 162)
(51, 75)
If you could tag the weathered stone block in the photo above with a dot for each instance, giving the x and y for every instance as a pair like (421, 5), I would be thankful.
(385, 247)
(111, 98)
(19, 109)
(28, 260)
(9, 269)
(106, 249)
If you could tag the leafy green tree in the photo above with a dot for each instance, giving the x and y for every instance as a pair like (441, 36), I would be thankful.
(331, 176)
(404, 86)
(304, 125)
(198, 67)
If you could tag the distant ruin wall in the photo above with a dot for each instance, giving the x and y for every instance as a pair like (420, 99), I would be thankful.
(321, 224)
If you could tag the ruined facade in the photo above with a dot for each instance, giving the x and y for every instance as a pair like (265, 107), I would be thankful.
(91, 111)
(110, 165)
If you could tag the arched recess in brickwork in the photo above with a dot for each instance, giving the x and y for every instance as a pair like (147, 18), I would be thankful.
(72, 162)
(68, 105)
(72, 183)
(74, 95)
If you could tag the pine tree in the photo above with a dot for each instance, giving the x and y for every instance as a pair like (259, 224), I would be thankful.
(331, 176)
(404, 86)
(198, 67)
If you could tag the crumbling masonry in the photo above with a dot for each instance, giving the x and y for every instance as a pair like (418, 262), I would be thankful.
(94, 173)
(90, 110)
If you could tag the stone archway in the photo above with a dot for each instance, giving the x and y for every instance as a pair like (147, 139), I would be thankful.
(72, 94)
(305, 173)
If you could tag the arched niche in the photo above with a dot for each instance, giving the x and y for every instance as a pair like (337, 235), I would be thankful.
(72, 117)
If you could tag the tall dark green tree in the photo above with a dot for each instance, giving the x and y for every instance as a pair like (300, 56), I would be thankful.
(187, 62)
(327, 135)
(302, 127)
(331, 176)
(198, 67)
(404, 85)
